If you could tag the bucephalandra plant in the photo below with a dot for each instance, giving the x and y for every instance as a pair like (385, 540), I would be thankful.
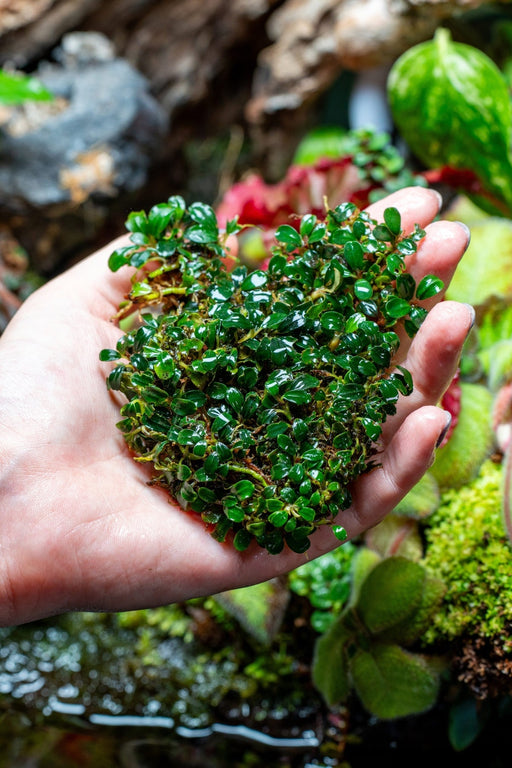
(258, 397)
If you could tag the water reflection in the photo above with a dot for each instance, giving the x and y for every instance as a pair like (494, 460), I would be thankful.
(88, 690)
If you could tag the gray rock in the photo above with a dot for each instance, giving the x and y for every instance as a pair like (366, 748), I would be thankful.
(101, 143)
(78, 48)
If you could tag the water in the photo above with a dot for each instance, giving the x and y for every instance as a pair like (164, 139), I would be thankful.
(105, 691)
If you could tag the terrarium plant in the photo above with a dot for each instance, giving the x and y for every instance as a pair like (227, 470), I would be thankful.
(16, 88)
(258, 397)
(392, 603)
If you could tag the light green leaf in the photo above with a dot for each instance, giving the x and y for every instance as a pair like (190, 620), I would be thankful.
(330, 666)
(392, 682)
(409, 630)
(452, 106)
(485, 270)
(471, 442)
(396, 535)
(16, 88)
(322, 142)
(422, 500)
(363, 562)
(390, 594)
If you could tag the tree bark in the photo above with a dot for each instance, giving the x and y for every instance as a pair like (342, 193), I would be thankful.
(259, 62)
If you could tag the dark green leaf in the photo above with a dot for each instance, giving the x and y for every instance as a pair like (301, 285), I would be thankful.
(244, 489)
(242, 539)
(137, 222)
(159, 217)
(464, 723)
(278, 518)
(106, 355)
(203, 214)
(381, 232)
(115, 377)
(254, 280)
(406, 286)
(297, 396)
(429, 286)
(289, 236)
(235, 514)
(363, 289)
(119, 258)
(392, 220)
(354, 255)
(332, 321)
(202, 235)
(397, 308)
(235, 399)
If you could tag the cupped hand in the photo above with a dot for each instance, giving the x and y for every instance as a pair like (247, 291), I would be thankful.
(80, 529)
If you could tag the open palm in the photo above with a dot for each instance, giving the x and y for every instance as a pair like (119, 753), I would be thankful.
(79, 526)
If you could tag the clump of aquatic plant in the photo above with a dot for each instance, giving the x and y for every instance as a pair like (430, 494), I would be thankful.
(467, 547)
(326, 583)
(392, 602)
(258, 396)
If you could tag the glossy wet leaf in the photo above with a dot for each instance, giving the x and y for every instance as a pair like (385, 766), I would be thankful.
(392, 219)
(288, 236)
(241, 386)
(429, 286)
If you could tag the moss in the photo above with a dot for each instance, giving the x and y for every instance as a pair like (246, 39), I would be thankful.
(468, 549)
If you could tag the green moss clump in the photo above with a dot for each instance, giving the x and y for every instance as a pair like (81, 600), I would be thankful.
(468, 549)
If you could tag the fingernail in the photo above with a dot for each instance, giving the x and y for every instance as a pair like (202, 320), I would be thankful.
(466, 230)
(439, 197)
(472, 315)
(445, 429)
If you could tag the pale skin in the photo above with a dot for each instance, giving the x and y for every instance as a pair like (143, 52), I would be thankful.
(80, 528)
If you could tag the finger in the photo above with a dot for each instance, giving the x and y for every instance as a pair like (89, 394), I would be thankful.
(95, 272)
(432, 359)
(403, 463)
(376, 493)
(405, 460)
(417, 205)
(438, 253)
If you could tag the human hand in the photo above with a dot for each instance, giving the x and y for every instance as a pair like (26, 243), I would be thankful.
(80, 529)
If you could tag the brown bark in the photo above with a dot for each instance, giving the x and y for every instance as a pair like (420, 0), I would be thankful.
(314, 40)
(34, 26)
(208, 57)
